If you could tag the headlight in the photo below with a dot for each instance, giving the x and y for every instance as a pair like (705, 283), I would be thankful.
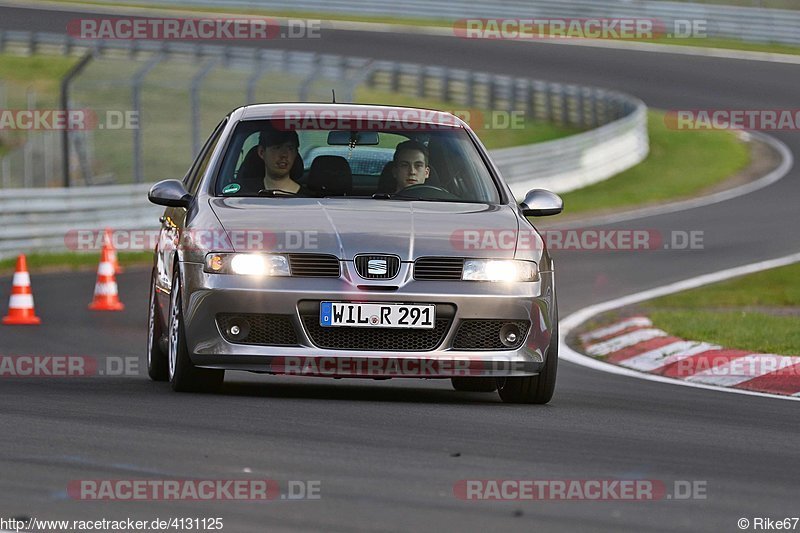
(499, 270)
(247, 264)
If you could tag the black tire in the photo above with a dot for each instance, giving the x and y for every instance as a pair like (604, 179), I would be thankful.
(474, 384)
(157, 363)
(183, 375)
(534, 389)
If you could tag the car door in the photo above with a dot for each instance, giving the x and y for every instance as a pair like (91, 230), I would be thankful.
(174, 218)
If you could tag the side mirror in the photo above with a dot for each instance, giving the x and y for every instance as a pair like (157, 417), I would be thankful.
(169, 193)
(541, 203)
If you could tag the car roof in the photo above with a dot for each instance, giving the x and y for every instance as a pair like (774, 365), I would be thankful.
(405, 114)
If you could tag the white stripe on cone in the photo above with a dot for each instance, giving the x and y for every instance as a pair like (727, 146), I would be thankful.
(105, 269)
(641, 321)
(623, 341)
(667, 355)
(22, 279)
(21, 301)
(743, 369)
(108, 288)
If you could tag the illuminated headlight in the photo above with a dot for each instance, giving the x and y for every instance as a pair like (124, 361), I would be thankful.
(248, 264)
(499, 270)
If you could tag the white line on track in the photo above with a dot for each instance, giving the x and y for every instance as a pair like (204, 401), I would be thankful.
(568, 324)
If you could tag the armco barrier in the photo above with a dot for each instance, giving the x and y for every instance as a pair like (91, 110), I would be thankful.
(38, 219)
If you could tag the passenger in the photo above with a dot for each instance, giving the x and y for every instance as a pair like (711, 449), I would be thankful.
(410, 164)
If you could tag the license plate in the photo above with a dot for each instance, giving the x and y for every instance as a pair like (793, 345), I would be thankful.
(377, 315)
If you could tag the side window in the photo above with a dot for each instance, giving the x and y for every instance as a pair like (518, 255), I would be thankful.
(201, 164)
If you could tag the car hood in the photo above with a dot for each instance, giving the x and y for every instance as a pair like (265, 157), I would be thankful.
(347, 227)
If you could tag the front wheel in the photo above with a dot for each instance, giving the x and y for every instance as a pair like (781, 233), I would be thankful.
(156, 358)
(183, 375)
(534, 389)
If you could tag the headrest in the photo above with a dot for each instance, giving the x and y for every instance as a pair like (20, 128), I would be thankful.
(330, 175)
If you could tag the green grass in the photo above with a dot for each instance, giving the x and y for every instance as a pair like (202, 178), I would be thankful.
(28, 71)
(73, 261)
(748, 313)
(732, 44)
(39, 74)
(775, 288)
(742, 330)
(681, 164)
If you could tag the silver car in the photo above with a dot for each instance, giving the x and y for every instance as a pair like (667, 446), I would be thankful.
(351, 241)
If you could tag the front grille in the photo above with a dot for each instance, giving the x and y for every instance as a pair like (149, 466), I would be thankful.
(377, 266)
(438, 268)
(268, 330)
(376, 339)
(485, 334)
(314, 265)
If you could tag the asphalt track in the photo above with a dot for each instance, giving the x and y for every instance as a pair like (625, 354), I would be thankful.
(388, 453)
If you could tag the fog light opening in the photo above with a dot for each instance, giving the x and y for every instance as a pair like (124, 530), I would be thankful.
(238, 329)
(510, 335)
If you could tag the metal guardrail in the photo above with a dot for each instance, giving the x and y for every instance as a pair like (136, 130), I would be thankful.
(39, 219)
(43, 219)
(754, 24)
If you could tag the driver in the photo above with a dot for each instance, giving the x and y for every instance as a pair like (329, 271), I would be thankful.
(278, 149)
(410, 164)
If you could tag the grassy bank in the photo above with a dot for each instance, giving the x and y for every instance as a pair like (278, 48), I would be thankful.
(759, 312)
(681, 164)
(73, 261)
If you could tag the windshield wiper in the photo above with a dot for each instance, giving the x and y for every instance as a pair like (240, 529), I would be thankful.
(272, 193)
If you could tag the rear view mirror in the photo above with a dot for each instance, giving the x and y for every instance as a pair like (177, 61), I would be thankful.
(541, 203)
(361, 138)
(169, 193)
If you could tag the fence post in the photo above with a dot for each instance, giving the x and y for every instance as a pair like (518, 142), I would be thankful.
(195, 102)
(27, 149)
(6, 170)
(305, 85)
(65, 82)
(252, 81)
(136, 96)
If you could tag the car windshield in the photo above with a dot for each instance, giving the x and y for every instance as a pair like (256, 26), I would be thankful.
(397, 161)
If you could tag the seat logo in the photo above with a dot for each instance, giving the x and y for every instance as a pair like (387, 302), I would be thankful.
(377, 267)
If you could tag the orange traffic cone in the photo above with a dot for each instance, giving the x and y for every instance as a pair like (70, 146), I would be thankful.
(108, 241)
(20, 305)
(106, 296)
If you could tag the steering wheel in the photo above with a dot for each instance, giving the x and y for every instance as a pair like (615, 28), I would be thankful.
(427, 192)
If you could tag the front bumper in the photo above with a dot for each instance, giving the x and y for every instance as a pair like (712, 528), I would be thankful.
(208, 295)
